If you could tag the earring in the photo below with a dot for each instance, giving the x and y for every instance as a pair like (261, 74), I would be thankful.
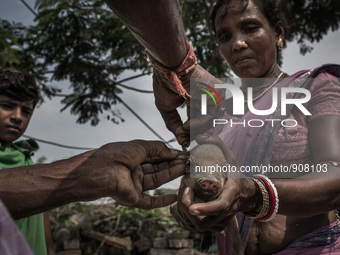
(279, 43)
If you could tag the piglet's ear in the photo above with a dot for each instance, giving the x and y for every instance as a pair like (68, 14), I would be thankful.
(228, 154)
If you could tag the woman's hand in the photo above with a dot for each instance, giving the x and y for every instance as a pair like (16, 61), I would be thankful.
(239, 194)
(168, 100)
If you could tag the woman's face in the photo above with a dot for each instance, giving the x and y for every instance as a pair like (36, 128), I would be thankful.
(246, 40)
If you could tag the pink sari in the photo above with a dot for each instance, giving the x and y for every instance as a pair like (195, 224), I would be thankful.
(254, 146)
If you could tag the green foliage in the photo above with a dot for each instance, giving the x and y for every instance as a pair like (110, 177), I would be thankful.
(83, 42)
(148, 228)
(22, 57)
(118, 221)
(7, 50)
(93, 48)
(196, 19)
(41, 160)
(310, 20)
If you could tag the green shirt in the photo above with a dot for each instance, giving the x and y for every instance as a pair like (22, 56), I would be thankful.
(32, 228)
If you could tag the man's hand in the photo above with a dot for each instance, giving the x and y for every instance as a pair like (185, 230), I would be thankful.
(138, 166)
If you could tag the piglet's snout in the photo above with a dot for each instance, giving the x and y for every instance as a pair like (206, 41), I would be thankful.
(209, 185)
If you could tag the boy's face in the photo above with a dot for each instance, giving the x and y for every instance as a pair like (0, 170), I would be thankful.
(14, 118)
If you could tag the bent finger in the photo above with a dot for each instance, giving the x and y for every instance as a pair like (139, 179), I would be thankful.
(151, 202)
(154, 180)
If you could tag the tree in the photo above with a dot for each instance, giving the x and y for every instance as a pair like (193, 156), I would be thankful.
(15, 52)
(88, 45)
(41, 160)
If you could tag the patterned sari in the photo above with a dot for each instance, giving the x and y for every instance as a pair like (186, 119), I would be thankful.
(254, 147)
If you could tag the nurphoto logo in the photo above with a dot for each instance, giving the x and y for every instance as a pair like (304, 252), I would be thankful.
(239, 104)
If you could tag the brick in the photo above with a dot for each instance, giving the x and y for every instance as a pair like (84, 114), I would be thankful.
(160, 243)
(142, 245)
(69, 252)
(187, 243)
(175, 243)
(154, 251)
(181, 243)
(72, 244)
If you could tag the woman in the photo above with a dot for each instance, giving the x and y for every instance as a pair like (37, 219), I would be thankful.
(250, 34)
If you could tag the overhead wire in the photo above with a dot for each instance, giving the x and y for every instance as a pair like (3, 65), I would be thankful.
(141, 120)
(29, 8)
(58, 144)
(73, 147)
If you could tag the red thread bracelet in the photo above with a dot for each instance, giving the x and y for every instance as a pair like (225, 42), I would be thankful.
(173, 75)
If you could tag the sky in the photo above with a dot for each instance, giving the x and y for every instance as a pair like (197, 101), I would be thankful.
(48, 123)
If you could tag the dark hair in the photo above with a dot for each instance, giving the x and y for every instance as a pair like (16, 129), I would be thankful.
(270, 9)
(19, 86)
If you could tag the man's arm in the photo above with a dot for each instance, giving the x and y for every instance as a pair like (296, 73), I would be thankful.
(122, 171)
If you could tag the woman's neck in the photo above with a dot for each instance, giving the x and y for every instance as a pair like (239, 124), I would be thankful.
(262, 81)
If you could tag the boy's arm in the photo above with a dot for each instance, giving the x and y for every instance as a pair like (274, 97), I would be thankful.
(114, 170)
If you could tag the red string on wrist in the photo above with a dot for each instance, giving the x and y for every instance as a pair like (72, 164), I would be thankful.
(173, 75)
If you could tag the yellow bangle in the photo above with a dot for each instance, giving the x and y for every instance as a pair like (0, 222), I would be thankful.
(265, 201)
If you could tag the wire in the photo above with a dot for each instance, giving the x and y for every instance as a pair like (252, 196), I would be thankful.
(58, 144)
(134, 89)
(74, 147)
(138, 117)
(128, 107)
(29, 7)
(87, 148)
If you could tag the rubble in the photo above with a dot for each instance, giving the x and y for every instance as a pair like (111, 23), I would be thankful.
(105, 229)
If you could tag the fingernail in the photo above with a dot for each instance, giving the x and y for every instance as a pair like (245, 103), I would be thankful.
(186, 191)
(196, 212)
(175, 152)
(204, 136)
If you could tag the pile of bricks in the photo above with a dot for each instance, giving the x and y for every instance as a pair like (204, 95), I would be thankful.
(177, 243)
(70, 246)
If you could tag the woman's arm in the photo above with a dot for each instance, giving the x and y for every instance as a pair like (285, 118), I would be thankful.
(158, 26)
(315, 193)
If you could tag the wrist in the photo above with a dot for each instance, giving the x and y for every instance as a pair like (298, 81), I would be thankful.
(253, 200)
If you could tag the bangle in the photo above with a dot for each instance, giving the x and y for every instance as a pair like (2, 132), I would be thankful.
(274, 198)
(265, 201)
(330, 162)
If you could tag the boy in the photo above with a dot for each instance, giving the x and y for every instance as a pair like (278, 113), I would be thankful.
(19, 94)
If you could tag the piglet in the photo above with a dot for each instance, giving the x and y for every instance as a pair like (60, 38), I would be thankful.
(208, 186)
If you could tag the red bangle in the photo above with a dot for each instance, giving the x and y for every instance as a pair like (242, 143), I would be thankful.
(274, 199)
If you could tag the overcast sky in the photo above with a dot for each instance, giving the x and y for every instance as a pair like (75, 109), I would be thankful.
(48, 123)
